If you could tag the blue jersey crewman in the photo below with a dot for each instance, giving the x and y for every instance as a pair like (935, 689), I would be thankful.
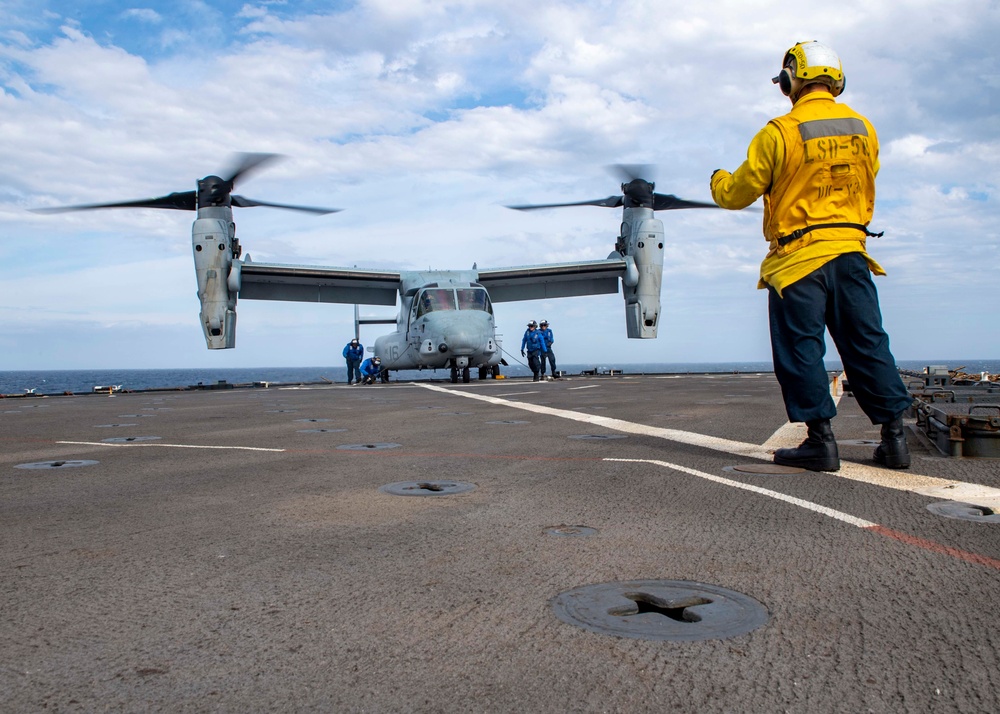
(546, 333)
(534, 344)
(354, 352)
(370, 370)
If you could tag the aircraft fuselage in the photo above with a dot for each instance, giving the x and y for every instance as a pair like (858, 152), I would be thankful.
(445, 320)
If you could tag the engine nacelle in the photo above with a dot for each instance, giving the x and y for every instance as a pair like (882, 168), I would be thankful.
(642, 242)
(213, 242)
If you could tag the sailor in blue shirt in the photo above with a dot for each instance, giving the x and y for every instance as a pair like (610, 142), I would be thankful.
(370, 370)
(354, 352)
(546, 333)
(534, 343)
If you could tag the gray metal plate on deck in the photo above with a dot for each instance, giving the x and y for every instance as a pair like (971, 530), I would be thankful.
(129, 439)
(427, 488)
(368, 447)
(964, 512)
(48, 465)
(660, 610)
(598, 437)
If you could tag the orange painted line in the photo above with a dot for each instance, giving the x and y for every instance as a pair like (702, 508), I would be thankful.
(930, 545)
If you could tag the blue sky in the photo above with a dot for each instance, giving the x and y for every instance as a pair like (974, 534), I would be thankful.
(422, 119)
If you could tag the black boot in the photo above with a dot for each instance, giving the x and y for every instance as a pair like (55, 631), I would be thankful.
(893, 452)
(817, 453)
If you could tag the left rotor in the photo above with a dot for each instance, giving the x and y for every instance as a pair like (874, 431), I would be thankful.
(212, 191)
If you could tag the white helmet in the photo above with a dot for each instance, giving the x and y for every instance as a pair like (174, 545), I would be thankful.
(806, 63)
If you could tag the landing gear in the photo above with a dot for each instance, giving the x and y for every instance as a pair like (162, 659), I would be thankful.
(483, 371)
(384, 376)
(465, 375)
(496, 371)
(454, 374)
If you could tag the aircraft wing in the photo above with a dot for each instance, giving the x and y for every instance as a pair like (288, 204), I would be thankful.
(557, 280)
(314, 283)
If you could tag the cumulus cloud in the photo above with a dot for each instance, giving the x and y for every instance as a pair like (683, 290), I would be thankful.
(425, 118)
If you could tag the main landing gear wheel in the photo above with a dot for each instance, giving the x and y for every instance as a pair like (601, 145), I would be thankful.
(483, 372)
(465, 375)
(454, 375)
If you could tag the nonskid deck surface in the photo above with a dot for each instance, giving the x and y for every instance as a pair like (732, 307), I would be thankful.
(257, 549)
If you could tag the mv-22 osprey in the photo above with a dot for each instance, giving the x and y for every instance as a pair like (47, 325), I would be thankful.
(445, 317)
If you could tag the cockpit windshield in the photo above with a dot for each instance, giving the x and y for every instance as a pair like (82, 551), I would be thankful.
(473, 299)
(438, 299)
(434, 299)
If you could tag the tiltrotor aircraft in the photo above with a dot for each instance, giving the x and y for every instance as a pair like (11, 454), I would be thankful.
(445, 317)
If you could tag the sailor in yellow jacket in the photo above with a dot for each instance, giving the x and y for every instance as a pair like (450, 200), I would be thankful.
(816, 168)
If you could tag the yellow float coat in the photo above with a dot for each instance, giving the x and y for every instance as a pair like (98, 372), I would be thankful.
(814, 165)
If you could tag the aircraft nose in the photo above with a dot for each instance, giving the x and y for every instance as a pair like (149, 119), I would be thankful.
(461, 341)
(466, 336)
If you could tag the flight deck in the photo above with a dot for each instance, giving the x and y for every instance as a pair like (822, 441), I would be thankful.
(594, 543)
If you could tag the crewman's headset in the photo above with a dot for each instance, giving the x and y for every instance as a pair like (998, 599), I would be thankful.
(809, 62)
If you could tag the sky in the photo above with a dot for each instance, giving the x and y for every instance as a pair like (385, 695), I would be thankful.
(422, 119)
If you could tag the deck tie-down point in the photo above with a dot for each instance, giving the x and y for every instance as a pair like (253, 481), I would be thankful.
(964, 511)
(65, 464)
(427, 488)
(368, 447)
(675, 610)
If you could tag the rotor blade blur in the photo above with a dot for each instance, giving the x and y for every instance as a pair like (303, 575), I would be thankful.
(183, 201)
(609, 202)
(245, 163)
(630, 172)
(666, 202)
(242, 202)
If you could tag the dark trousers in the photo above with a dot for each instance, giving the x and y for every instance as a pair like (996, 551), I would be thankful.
(551, 357)
(841, 297)
(353, 370)
(535, 360)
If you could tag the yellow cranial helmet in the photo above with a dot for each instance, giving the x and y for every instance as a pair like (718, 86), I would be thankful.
(809, 62)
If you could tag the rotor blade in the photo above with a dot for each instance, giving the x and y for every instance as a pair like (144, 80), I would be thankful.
(245, 163)
(250, 203)
(609, 202)
(631, 172)
(666, 202)
(183, 201)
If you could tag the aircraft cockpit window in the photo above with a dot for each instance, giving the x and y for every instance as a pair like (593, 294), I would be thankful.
(474, 299)
(435, 299)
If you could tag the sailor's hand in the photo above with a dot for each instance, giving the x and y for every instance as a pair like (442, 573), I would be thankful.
(522, 353)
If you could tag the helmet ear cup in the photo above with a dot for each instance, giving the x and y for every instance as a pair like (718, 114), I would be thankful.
(785, 81)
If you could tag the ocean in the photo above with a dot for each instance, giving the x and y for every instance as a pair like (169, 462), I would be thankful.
(84, 381)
